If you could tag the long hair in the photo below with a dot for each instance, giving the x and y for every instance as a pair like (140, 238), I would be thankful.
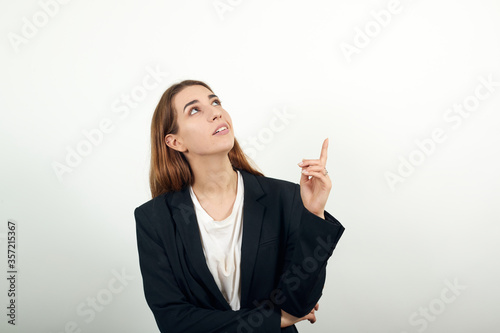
(170, 170)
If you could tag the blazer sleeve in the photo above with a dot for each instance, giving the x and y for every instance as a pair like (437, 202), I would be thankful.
(310, 242)
(171, 309)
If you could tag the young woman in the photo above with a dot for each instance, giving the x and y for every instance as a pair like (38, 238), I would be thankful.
(222, 248)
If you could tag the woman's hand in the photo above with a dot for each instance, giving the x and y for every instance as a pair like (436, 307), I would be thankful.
(288, 320)
(314, 191)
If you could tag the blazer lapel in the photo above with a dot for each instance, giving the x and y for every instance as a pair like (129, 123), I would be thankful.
(184, 217)
(253, 215)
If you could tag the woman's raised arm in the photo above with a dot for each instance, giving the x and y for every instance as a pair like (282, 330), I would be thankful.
(310, 242)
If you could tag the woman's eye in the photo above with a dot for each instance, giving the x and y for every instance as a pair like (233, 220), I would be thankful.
(191, 112)
(216, 101)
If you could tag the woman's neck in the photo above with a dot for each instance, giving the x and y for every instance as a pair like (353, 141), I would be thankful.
(214, 178)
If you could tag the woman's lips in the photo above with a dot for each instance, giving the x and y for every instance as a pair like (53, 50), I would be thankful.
(223, 132)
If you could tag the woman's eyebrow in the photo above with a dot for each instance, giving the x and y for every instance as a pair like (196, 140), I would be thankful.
(196, 101)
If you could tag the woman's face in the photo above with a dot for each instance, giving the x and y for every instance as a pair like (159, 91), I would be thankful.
(199, 115)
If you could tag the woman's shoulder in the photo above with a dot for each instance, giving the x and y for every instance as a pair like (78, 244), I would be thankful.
(154, 205)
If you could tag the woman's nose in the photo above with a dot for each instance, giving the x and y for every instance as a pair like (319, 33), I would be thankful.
(216, 113)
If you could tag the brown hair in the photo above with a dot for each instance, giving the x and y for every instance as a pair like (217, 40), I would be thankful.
(170, 170)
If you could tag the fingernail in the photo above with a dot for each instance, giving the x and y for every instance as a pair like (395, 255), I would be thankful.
(301, 163)
(304, 171)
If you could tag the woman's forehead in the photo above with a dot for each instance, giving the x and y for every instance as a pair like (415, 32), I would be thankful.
(188, 93)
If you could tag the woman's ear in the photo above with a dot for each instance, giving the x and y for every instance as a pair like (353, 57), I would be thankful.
(172, 141)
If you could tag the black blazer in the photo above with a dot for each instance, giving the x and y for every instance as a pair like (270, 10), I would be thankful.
(284, 253)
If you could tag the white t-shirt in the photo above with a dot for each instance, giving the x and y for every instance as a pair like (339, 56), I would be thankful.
(221, 242)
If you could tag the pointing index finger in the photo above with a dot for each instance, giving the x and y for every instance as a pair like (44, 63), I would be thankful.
(324, 152)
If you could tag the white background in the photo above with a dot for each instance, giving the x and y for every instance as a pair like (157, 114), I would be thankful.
(403, 246)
